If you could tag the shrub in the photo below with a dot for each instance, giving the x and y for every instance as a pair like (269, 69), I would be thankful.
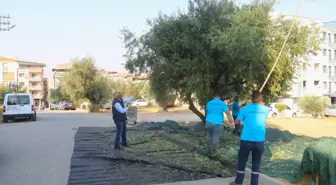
(314, 105)
(281, 107)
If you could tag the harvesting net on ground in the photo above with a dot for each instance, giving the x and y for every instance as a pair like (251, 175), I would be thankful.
(180, 152)
(282, 156)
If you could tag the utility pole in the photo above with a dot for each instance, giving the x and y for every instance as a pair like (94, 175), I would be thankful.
(5, 24)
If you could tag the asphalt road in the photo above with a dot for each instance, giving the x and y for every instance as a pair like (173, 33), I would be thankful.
(38, 153)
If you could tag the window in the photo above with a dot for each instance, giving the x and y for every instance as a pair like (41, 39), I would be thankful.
(329, 70)
(324, 69)
(335, 54)
(334, 38)
(335, 70)
(21, 74)
(329, 37)
(304, 84)
(33, 75)
(34, 84)
(4, 73)
(316, 67)
(324, 52)
(316, 83)
(329, 54)
(18, 100)
(324, 35)
(325, 85)
(5, 66)
(329, 86)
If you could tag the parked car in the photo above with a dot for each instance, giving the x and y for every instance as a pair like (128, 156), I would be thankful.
(53, 106)
(66, 105)
(274, 112)
(18, 106)
(330, 111)
(107, 105)
(140, 103)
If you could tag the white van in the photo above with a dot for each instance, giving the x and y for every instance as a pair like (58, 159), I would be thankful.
(20, 105)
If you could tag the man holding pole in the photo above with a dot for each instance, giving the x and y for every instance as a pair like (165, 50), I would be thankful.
(252, 139)
(119, 117)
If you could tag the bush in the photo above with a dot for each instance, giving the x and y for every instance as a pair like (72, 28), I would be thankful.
(281, 107)
(314, 105)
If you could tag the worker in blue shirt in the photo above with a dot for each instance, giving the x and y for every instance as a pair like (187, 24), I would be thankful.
(235, 113)
(252, 139)
(215, 120)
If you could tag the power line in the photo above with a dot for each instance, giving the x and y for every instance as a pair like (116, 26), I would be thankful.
(5, 24)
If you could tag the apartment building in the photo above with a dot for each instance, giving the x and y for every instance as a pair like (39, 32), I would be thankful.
(59, 72)
(28, 75)
(126, 76)
(318, 75)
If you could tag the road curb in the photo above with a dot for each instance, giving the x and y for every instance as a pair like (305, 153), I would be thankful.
(264, 179)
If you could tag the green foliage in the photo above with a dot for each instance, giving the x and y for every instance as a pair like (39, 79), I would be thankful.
(56, 95)
(4, 90)
(314, 105)
(218, 46)
(84, 80)
(280, 107)
(130, 88)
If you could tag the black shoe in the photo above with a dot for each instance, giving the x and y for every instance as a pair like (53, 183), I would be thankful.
(125, 145)
(117, 147)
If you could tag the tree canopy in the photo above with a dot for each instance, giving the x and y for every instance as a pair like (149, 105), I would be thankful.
(219, 46)
(85, 81)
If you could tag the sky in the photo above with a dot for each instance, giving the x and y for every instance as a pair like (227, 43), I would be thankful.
(55, 31)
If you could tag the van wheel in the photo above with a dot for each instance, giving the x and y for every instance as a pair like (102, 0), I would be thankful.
(34, 117)
(5, 119)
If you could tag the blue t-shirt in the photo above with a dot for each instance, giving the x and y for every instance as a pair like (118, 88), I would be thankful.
(235, 109)
(254, 117)
(215, 109)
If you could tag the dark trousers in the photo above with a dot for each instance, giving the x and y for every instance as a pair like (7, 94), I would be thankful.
(121, 132)
(237, 129)
(257, 149)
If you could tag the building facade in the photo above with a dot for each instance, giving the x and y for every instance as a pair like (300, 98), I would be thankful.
(318, 74)
(28, 75)
(59, 72)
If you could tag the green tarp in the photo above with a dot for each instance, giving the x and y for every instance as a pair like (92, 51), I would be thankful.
(283, 150)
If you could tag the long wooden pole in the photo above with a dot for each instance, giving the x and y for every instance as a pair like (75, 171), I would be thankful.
(282, 48)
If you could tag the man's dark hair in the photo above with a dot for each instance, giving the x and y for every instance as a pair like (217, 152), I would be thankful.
(216, 94)
(256, 97)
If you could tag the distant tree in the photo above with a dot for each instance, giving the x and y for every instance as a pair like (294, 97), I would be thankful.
(314, 105)
(4, 89)
(85, 81)
(56, 95)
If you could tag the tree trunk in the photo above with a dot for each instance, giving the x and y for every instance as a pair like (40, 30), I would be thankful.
(94, 107)
(194, 109)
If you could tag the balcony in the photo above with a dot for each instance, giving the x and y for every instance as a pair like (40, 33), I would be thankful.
(35, 70)
(36, 88)
(37, 96)
(35, 79)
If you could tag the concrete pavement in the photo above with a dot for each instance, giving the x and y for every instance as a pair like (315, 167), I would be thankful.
(38, 153)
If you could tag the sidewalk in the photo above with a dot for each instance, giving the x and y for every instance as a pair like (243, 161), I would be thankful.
(215, 181)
